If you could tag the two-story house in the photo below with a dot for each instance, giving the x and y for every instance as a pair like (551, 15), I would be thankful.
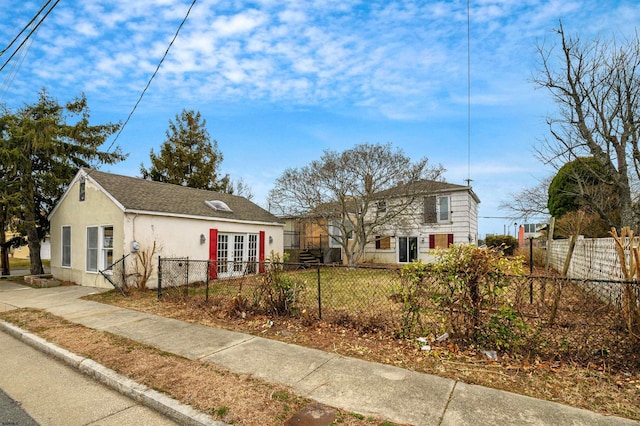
(440, 214)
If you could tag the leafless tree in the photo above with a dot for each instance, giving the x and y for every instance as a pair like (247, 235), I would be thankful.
(529, 202)
(355, 194)
(239, 187)
(596, 86)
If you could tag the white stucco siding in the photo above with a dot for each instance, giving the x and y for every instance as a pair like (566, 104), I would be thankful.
(96, 210)
(181, 237)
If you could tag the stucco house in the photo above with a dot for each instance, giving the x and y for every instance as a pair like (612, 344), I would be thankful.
(440, 214)
(102, 217)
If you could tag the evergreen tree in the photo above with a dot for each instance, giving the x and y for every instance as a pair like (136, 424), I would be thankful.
(41, 152)
(187, 157)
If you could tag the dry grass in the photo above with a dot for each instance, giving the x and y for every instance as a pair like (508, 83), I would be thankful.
(594, 386)
(233, 398)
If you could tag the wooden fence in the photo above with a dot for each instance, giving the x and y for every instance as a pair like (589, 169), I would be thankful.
(593, 258)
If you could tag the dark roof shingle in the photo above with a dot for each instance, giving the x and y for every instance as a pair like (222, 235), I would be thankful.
(425, 187)
(145, 195)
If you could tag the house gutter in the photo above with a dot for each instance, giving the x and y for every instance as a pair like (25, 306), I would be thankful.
(205, 218)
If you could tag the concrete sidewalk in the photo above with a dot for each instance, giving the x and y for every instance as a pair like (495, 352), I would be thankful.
(368, 388)
(52, 393)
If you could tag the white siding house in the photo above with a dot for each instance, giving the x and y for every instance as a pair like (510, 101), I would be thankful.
(103, 217)
(440, 214)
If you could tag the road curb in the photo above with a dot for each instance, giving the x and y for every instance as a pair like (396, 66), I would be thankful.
(177, 411)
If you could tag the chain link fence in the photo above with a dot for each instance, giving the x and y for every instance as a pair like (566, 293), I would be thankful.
(332, 293)
(116, 274)
(552, 317)
(580, 320)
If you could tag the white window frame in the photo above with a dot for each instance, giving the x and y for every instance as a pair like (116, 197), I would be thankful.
(235, 251)
(91, 251)
(444, 215)
(66, 247)
(406, 248)
(222, 252)
(100, 253)
(106, 248)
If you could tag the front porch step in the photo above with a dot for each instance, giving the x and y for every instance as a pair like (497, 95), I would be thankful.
(307, 257)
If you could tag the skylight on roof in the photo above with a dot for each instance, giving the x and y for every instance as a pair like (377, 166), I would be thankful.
(218, 205)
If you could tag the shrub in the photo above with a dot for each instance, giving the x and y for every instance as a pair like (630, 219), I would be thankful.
(471, 284)
(410, 293)
(280, 293)
(506, 243)
(505, 329)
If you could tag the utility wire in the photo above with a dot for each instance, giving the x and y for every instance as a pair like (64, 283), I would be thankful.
(25, 27)
(468, 93)
(152, 76)
(13, 71)
(29, 35)
(469, 109)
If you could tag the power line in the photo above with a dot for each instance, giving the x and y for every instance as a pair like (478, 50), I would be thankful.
(469, 92)
(25, 27)
(13, 71)
(469, 107)
(152, 76)
(29, 35)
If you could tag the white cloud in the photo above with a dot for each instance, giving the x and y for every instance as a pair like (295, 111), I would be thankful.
(238, 24)
(86, 29)
(400, 57)
(292, 17)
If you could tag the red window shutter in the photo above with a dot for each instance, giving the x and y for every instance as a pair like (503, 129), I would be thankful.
(261, 252)
(432, 241)
(213, 254)
(449, 239)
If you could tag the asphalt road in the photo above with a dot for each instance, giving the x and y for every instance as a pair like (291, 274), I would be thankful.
(11, 414)
(51, 393)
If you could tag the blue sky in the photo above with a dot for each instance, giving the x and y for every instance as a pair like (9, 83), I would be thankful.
(279, 81)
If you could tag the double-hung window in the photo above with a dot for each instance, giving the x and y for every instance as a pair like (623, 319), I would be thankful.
(444, 214)
(107, 246)
(66, 247)
(92, 248)
(99, 247)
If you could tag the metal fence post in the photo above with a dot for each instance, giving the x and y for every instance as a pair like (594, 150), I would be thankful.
(319, 294)
(186, 277)
(206, 296)
(124, 273)
(159, 277)
(530, 269)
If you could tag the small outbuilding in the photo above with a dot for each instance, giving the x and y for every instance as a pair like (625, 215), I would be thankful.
(105, 218)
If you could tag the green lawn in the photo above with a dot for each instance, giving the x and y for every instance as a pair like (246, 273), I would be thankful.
(354, 291)
(23, 263)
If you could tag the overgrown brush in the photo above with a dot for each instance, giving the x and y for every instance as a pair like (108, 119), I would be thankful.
(410, 293)
(472, 286)
(279, 293)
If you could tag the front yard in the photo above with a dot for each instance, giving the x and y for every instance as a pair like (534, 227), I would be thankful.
(580, 360)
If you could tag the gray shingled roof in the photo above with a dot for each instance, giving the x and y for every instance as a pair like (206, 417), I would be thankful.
(145, 195)
(425, 187)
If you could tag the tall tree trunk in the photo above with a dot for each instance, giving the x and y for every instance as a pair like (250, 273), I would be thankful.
(4, 250)
(34, 251)
(31, 222)
(626, 207)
